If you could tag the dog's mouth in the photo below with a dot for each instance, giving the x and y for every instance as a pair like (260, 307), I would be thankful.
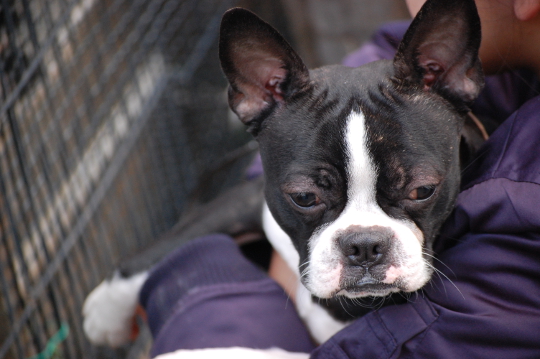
(367, 287)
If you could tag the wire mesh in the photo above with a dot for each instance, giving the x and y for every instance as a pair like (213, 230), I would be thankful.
(110, 112)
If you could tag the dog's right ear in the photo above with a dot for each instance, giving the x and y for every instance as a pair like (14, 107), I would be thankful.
(262, 68)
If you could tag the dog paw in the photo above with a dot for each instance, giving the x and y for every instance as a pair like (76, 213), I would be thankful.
(109, 309)
(233, 353)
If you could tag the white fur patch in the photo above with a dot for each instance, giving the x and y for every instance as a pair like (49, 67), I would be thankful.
(362, 210)
(109, 309)
(280, 241)
(320, 324)
(233, 353)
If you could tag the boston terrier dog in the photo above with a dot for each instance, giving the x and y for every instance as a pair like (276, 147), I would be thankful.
(361, 165)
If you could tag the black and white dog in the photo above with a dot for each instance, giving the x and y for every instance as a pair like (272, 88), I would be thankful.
(362, 165)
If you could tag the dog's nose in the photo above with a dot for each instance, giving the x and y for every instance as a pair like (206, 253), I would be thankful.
(365, 248)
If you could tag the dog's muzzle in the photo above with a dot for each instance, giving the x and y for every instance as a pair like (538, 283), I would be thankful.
(366, 253)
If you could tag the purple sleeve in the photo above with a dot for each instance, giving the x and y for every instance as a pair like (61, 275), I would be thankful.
(208, 295)
(503, 94)
(484, 300)
(383, 45)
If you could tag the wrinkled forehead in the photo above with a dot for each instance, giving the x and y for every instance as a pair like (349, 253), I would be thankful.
(401, 128)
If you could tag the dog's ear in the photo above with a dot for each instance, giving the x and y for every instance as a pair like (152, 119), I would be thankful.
(260, 65)
(439, 51)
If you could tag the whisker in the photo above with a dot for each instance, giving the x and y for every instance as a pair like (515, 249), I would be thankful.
(477, 157)
(342, 306)
(406, 296)
(440, 261)
(305, 271)
(445, 276)
(438, 273)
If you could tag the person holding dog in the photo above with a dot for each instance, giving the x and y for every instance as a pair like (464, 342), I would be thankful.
(485, 301)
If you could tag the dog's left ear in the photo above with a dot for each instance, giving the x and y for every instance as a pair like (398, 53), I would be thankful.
(439, 51)
(262, 68)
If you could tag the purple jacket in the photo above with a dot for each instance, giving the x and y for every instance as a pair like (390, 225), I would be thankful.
(484, 302)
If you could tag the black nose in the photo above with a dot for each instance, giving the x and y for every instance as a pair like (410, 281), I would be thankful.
(365, 248)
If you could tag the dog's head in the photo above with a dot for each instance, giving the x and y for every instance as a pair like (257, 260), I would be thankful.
(361, 165)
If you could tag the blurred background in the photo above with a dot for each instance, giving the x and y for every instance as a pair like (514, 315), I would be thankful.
(112, 113)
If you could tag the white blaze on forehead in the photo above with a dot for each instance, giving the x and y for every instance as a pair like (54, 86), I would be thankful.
(361, 176)
(362, 209)
(361, 171)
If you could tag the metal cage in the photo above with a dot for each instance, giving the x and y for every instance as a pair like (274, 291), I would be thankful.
(111, 110)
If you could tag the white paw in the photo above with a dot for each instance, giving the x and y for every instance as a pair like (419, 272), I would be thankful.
(233, 353)
(109, 309)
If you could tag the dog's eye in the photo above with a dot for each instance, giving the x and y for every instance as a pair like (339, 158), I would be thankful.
(305, 199)
(422, 193)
